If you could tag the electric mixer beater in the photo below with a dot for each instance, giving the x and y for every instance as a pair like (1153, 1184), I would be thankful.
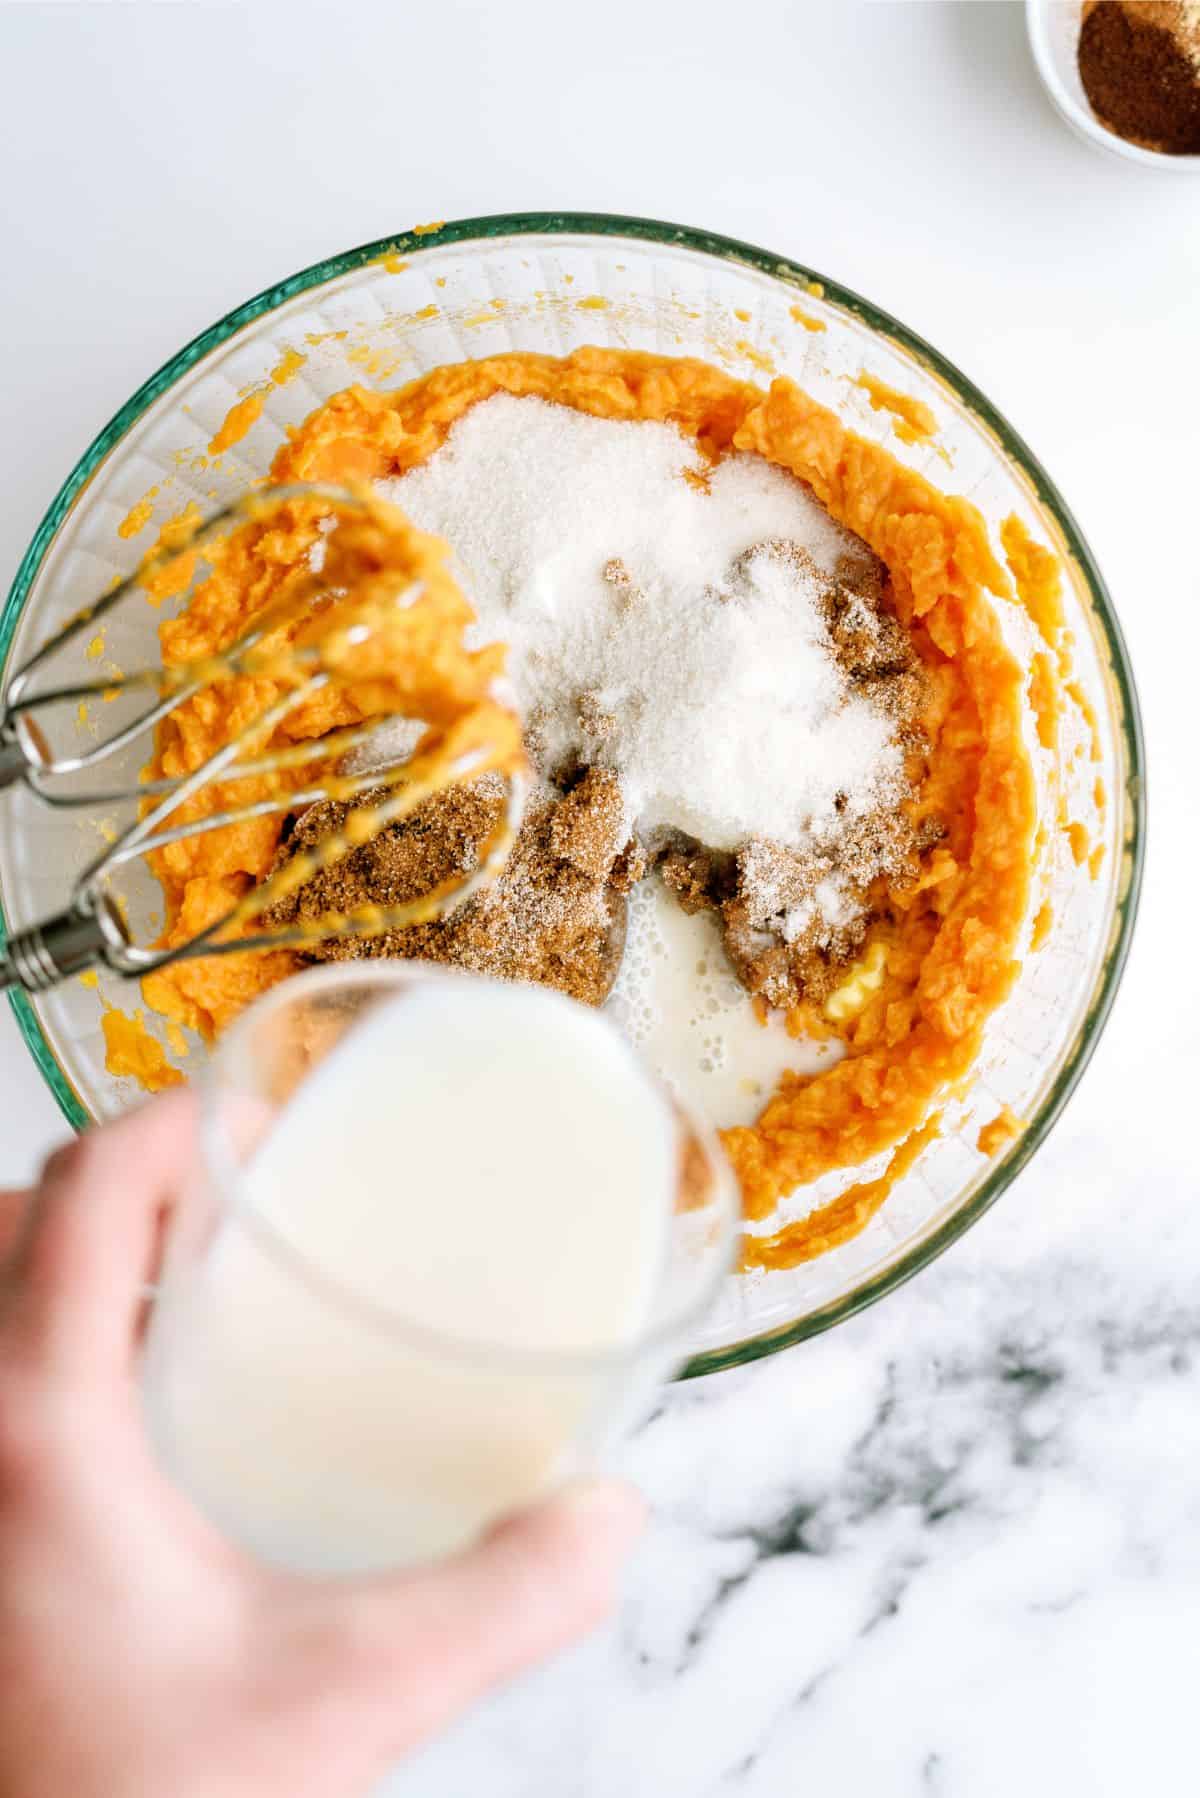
(357, 615)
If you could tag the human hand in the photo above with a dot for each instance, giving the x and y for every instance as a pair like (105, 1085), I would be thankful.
(140, 1652)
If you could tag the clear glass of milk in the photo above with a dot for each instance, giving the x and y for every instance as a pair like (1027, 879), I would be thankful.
(447, 1238)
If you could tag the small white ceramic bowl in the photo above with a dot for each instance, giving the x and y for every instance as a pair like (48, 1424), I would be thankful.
(1054, 39)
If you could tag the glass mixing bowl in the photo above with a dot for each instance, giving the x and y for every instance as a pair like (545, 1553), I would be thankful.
(385, 313)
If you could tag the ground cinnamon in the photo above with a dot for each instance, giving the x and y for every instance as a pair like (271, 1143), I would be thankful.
(1140, 68)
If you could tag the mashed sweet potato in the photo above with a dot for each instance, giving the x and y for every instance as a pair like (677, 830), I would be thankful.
(947, 946)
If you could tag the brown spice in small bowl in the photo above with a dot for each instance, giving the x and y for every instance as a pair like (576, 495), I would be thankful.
(1140, 68)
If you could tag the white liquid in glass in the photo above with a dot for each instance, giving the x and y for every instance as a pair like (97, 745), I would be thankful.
(482, 1162)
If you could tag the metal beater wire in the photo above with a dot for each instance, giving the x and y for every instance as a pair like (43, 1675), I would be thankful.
(92, 929)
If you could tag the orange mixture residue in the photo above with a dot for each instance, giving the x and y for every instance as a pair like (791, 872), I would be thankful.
(174, 575)
(806, 319)
(288, 365)
(1037, 577)
(840, 1220)
(132, 1053)
(757, 358)
(912, 420)
(237, 422)
(1080, 841)
(138, 516)
(1087, 712)
(1044, 699)
(1004, 1128)
(943, 957)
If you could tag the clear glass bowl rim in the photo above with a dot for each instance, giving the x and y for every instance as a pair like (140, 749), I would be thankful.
(614, 225)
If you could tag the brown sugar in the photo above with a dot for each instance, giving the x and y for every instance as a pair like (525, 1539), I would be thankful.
(616, 573)
(783, 944)
(1140, 69)
(587, 826)
(553, 916)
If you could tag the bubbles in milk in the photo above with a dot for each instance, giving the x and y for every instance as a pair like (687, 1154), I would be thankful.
(680, 1005)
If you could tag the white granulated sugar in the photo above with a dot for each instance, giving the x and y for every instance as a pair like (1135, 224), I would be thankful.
(797, 921)
(709, 687)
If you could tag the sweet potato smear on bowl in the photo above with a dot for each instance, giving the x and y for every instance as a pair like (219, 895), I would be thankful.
(940, 959)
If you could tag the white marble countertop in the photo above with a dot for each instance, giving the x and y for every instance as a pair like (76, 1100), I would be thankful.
(954, 1547)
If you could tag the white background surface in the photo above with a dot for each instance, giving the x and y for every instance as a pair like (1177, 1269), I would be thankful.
(954, 1547)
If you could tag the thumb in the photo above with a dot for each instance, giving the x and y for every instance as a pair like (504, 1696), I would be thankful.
(421, 1646)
